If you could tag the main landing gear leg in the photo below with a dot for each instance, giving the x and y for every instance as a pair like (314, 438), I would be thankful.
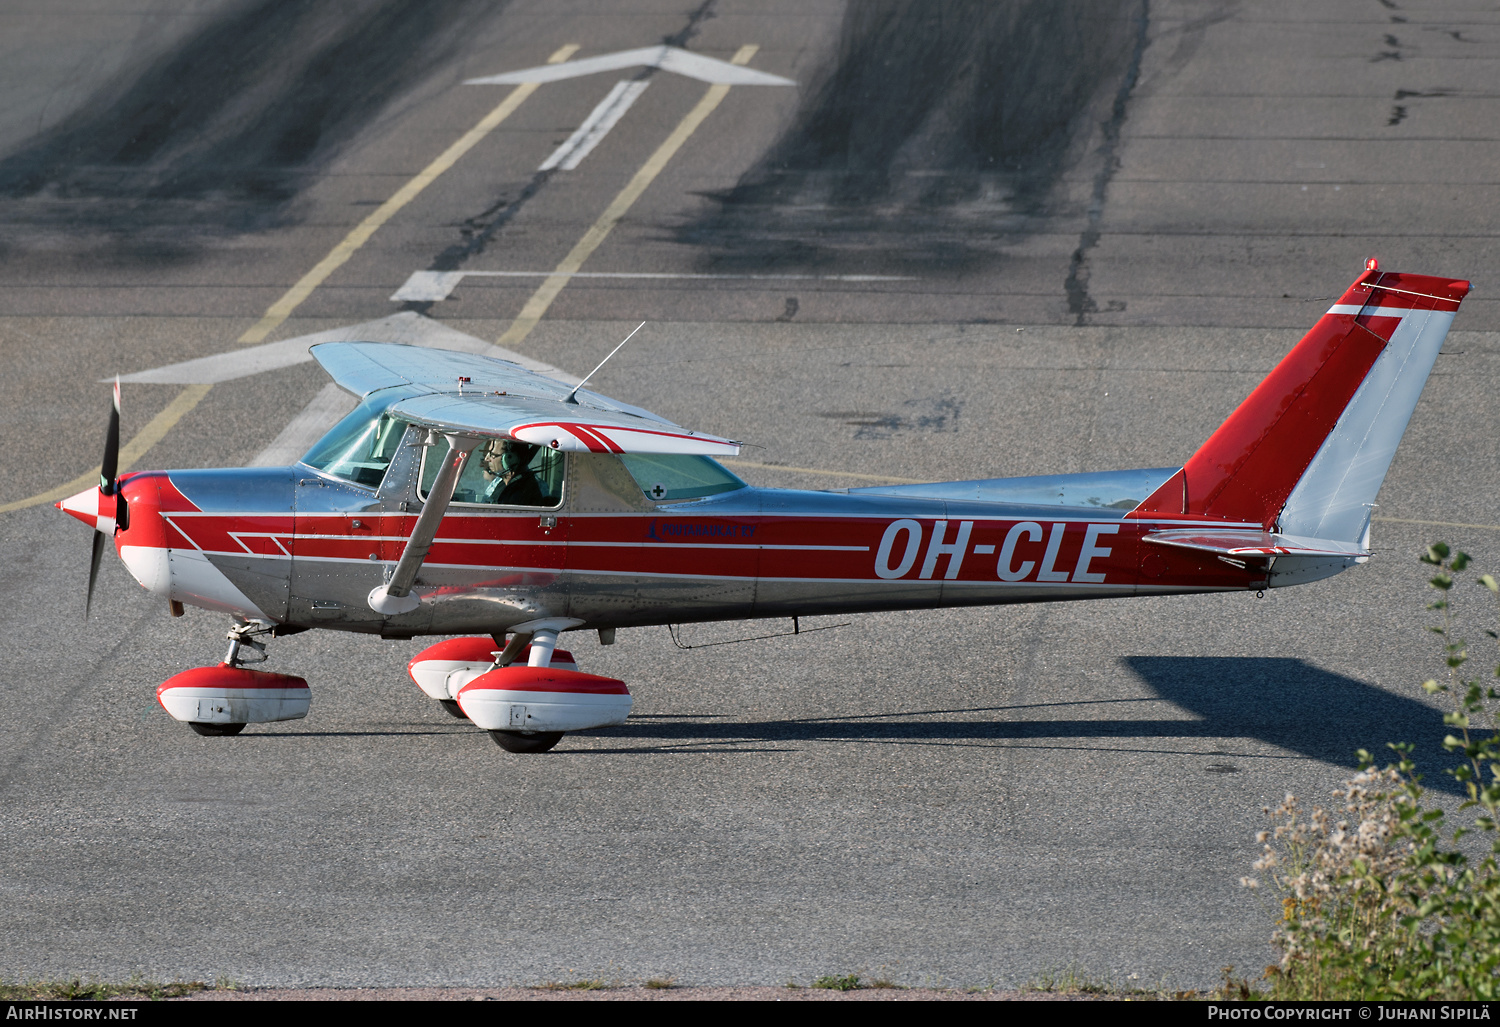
(511, 648)
(542, 644)
(543, 641)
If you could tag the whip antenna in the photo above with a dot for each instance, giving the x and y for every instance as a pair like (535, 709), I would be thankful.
(573, 396)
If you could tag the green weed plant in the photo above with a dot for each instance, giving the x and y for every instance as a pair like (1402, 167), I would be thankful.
(1382, 902)
(849, 982)
(75, 989)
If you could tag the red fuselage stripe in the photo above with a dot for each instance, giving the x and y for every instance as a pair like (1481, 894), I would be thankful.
(1042, 551)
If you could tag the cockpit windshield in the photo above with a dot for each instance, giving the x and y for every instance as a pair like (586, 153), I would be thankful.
(360, 447)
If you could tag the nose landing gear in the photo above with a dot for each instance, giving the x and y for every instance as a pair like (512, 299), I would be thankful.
(221, 700)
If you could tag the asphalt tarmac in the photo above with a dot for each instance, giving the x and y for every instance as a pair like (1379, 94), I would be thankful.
(974, 239)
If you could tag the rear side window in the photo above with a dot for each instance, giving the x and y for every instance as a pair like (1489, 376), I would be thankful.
(679, 477)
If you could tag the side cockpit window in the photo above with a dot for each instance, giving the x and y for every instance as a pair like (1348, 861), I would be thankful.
(503, 473)
(360, 447)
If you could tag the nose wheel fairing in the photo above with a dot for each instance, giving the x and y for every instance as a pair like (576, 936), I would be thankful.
(222, 699)
(225, 695)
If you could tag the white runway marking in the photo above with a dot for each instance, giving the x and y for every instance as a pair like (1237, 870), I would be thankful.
(435, 286)
(428, 286)
(595, 127)
(667, 58)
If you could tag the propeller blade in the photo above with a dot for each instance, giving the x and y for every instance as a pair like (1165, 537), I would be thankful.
(110, 465)
(93, 571)
(109, 468)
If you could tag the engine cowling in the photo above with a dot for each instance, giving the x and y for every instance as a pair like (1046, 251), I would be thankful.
(441, 670)
(234, 695)
(537, 699)
(152, 549)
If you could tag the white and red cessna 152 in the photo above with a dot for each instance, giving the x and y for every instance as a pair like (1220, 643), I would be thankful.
(468, 496)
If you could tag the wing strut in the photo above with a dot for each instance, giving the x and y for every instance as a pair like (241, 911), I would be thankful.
(395, 597)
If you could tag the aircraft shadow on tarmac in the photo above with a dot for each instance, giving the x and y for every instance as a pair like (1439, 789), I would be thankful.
(1282, 702)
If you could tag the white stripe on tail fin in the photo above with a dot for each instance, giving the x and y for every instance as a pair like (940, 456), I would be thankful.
(1335, 496)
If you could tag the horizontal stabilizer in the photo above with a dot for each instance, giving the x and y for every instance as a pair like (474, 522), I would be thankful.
(1248, 543)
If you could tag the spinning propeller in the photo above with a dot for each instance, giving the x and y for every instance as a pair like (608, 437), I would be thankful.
(101, 508)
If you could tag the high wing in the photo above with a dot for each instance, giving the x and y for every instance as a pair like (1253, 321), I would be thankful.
(366, 367)
(492, 398)
(564, 426)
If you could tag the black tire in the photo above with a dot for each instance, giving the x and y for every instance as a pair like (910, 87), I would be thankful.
(515, 741)
(215, 730)
(451, 705)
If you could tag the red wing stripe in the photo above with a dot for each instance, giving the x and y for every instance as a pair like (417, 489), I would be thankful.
(594, 444)
(587, 438)
(599, 429)
(591, 433)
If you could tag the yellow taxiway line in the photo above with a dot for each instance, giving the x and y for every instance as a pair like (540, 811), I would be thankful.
(540, 300)
(282, 308)
(157, 428)
(150, 435)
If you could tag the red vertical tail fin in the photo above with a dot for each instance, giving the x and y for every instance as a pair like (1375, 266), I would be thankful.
(1313, 441)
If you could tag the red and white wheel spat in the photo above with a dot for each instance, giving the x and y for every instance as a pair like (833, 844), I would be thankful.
(234, 695)
(519, 698)
(441, 670)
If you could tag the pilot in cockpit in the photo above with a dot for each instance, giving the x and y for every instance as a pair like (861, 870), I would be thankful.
(509, 477)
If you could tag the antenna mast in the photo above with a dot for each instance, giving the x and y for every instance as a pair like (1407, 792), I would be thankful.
(573, 396)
